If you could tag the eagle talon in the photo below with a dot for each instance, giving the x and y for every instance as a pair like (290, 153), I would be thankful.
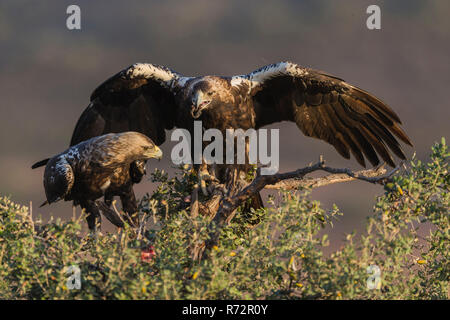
(203, 177)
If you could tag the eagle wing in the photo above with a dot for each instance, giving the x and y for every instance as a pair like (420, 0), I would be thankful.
(139, 98)
(327, 108)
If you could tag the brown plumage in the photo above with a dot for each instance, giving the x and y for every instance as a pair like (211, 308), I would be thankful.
(149, 99)
(99, 167)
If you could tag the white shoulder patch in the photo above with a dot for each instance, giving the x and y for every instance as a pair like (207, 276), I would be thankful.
(239, 80)
(147, 70)
(257, 77)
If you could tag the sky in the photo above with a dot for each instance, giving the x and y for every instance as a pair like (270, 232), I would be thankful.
(48, 72)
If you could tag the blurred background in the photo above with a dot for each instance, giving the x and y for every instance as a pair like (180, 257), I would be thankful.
(48, 72)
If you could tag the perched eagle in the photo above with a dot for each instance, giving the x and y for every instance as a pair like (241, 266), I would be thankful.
(150, 99)
(99, 167)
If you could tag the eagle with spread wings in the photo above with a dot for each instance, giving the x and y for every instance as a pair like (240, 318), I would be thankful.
(150, 99)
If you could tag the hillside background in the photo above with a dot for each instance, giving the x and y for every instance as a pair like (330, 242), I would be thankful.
(48, 72)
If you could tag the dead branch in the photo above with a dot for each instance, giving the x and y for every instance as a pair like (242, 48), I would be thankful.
(194, 202)
(291, 180)
(296, 183)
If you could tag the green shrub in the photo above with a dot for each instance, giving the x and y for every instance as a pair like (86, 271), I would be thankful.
(406, 242)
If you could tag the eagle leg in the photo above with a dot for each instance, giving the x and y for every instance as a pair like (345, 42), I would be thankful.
(93, 214)
(205, 176)
(110, 214)
(129, 205)
(109, 197)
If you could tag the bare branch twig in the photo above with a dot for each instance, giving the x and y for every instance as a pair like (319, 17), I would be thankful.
(230, 203)
(371, 175)
(194, 201)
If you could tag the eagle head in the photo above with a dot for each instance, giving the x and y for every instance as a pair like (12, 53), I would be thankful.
(58, 179)
(149, 151)
(205, 94)
(130, 146)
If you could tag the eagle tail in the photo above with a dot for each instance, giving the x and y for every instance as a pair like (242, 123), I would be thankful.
(40, 163)
(44, 204)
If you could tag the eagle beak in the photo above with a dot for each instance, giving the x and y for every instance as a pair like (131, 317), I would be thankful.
(157, 154)
(198, 105)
